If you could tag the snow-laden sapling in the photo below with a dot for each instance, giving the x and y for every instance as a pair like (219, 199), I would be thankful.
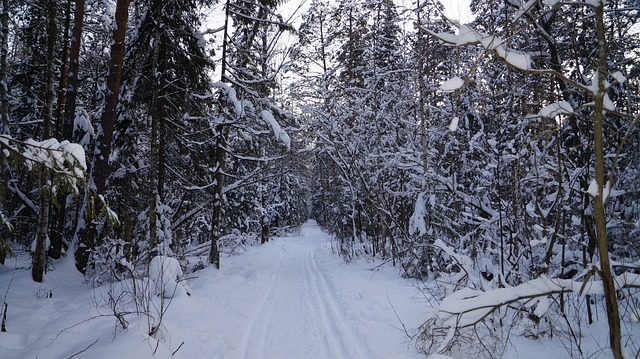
(167, 277)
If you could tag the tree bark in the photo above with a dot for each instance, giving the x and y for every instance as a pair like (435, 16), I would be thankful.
(39, 260)
(58, 217)
(74, 67)
(154, 182)
(611, 301)
(220, 158)
(100, 168)
(4, 50)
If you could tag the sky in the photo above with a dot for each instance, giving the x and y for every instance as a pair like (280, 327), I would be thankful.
(458, 10)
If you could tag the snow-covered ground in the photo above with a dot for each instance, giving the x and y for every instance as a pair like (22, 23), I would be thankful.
(290, 298)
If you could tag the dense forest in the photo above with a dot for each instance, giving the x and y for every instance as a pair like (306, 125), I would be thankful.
(492, 155)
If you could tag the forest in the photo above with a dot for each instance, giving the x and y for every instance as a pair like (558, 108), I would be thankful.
(499, 158)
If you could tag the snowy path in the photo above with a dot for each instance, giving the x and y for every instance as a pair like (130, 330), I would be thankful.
(292, 298)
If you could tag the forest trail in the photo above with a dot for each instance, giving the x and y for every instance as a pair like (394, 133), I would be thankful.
(299, 314)
(293, 298)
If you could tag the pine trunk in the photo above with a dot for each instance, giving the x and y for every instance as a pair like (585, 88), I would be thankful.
(100, 169)
(57, 234)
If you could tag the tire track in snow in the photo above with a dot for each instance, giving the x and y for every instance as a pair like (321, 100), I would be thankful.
(341, 336)
(259, 321)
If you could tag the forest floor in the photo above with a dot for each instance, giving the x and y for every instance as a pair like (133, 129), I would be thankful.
(290, 298)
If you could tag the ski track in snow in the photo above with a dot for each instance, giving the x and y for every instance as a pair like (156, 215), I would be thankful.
(299, 297)
(289, 298)
(332, 315)
(258, 326)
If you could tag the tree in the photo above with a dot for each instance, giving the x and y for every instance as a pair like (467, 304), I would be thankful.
(100, 168)
(598, 92)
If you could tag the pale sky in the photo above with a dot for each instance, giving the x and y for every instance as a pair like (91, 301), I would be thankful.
(458, 10)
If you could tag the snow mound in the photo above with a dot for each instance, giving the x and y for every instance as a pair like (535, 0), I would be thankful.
(167, 277)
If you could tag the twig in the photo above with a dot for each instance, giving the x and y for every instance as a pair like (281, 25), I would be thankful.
(179, 346)
(4, 317)
(75, 325)
(380, 265)
(85, 349)
(404, 328)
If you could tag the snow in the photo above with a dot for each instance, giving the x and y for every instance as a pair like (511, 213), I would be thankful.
(452, 84)
(550, 3)
(619, 77)
(417, 224)
(453, 126)
(593, 189)
(608, 104)
(466, 35)
(277, 130)
(232, 97)
(167, 276)
(555, 109)
(515, 58)
(289, 298)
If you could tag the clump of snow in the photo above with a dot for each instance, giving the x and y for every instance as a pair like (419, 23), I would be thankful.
(452, 84)
(453, 126)
(167, 276)
(555, 109)
(593, 189)
(619, 77)
(467, 35)
(608, 104)
(277, 130)
(593, 86)
(82, 122)
(232, 97)
(550, 3)
(417, 224)
(515, 58)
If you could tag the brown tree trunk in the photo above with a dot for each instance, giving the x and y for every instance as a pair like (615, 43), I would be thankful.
(611, 301)
(56, 235)
(74, 67)
(100, 170)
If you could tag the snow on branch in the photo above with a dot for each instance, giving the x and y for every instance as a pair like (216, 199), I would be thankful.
(468, 36)
(452, 84)
(513, 58)
(468, 307)
(63, 158)
(277, 130)
(555, 109)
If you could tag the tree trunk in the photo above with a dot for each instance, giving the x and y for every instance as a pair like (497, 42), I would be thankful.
(220, 158)
(4, 49)
(611, 302)
(74, 67)
(155, 146)
(100, 168)
(39, 260)
(57, 233)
